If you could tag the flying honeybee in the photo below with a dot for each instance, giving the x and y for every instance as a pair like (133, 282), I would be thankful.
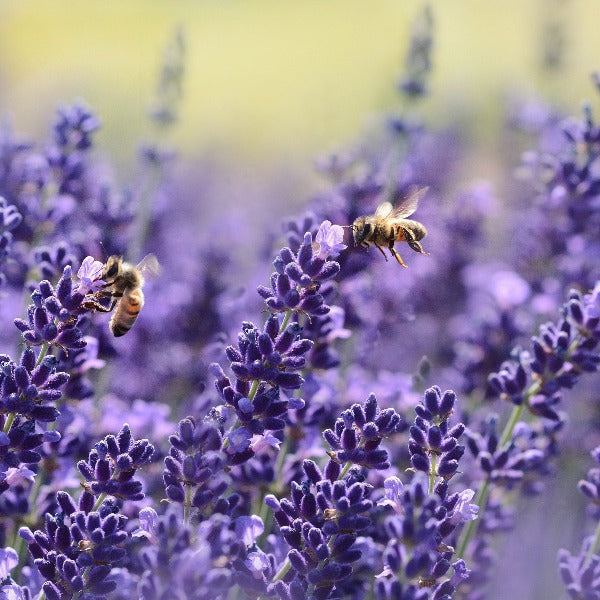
(123, 283)
(389, 225)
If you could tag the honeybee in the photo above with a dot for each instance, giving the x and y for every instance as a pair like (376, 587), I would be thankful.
(389, 224)
(123, 283)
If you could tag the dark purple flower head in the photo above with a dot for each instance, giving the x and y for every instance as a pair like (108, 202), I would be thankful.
(30, 389)
(52, 318)
(559, 354)
(77, 547)
(320, 521)
(507, 464)
(417, 553)
(357, 434)
(112, 464)
(299, 275)
(194, 469)
(51, 261)
(433, 444)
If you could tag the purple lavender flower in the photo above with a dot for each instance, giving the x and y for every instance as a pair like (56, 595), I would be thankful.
(416, 555)
(358, 433)
(329, 240)
(296, 282)
(433, 446)
(194, 469)
(580, 573)
(77, 548)
(31, 388)
(10, 218)
(559, 354)
(203, 567)
(112, 464)
(320, 522)
(51, 261)
(52, 318)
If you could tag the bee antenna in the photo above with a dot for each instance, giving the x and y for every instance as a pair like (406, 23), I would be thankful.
(346, 226)
(103, 249)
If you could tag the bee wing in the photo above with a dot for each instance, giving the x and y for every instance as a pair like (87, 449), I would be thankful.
(384, 210)
(149, 266)
(409, 203)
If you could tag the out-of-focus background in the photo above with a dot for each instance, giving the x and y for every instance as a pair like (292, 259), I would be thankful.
(268, 86)
(279, 81)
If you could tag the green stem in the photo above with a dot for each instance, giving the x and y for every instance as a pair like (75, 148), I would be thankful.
(283, 571)
(187, 505)
(253, 389)
(9, 421)
(432, 473)
(515, 415)
(286, 320)
(42, 354)
(101, 498)
(471, 527)
(484, 491)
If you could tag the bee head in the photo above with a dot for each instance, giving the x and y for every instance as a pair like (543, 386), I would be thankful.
(360, 230)
(112, 267)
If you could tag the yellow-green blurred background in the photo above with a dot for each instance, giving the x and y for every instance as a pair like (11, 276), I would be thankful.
(273, 80)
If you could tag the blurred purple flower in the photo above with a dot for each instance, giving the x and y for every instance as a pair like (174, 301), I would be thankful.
(249, 528)
(148, 519)
(89, 274)
(261, 442)
(19, 475)
(329, 241)
(464, 509)
(393, 489)
(9, 559)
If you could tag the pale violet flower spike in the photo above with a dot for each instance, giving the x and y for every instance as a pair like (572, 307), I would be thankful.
(257, 562)
(19, 475)
(329, 241)
(148, 518)
(393, 489)
(464, 509)
(9, 559)
(592, 301)
(12, 591)
(89, 275)
(249, 528)
(261, 442)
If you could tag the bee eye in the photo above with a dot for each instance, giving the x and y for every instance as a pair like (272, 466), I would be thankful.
(111, 271)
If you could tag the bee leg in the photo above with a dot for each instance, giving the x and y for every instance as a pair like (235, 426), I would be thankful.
(364, 245)
(394, 252)
(93, 304)
(398, 257)
(410, 238)
(382, 252)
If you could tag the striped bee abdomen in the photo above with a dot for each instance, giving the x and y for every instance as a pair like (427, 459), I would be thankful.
(126, 312)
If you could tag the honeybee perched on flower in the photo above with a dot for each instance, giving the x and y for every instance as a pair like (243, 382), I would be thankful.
(123, 283)
(389, 225)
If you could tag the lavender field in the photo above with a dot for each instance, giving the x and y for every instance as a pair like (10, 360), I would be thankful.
(289, 414)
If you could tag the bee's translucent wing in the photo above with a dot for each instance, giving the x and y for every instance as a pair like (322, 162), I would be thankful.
(149, 266)
(384, 210)
(409, 203)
